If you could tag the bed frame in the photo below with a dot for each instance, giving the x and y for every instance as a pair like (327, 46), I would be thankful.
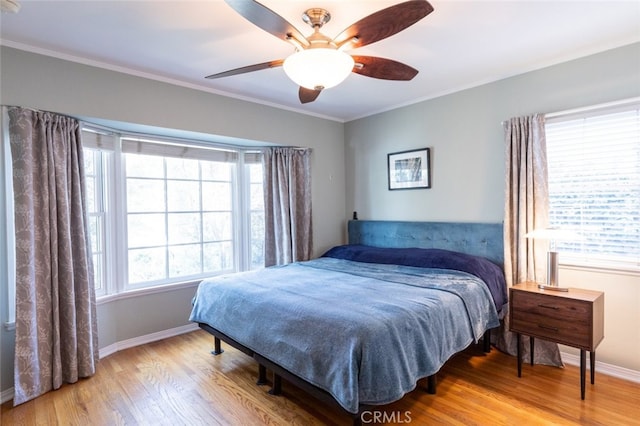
(478, 239)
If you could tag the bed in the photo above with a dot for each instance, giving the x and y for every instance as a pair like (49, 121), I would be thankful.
(360, 325)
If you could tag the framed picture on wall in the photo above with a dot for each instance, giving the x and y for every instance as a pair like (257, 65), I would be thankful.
(409, 169)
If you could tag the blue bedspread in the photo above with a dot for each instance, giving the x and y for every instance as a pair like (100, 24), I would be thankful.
(363, 332)
(481, 267)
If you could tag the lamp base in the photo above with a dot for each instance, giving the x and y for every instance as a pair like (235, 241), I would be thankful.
(552, 287)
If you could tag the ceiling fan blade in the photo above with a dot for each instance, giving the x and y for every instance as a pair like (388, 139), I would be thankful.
(307, 95)
(250, 68)
(268, 20)
(384, 23)
(382, 68)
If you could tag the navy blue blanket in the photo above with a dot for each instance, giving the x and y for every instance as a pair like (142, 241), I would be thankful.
(482, 268)
(365, 333)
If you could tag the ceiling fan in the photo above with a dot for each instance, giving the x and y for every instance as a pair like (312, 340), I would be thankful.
(321, 62)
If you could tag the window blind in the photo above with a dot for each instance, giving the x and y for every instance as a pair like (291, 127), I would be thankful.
(253, 157)
(594, 183)
(182, 150)
(96, 139)
(103, 140)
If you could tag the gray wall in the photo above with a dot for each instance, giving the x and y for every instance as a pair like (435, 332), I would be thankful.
(465, 134)
(51, 84)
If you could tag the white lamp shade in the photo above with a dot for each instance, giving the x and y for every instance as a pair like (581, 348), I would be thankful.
(318, 68)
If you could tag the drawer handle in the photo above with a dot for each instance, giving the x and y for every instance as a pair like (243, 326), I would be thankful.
(555, 308)
(547, 327)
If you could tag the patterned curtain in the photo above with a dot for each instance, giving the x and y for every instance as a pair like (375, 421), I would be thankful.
(526, 208)
(287, 208)
(56, 329)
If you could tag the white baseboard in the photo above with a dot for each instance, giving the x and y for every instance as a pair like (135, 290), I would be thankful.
(601, 367)
(7, 395)
(147, 338)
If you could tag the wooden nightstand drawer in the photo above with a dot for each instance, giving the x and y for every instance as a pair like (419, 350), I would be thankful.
(552, 318)
(553, 330)
(552, 306)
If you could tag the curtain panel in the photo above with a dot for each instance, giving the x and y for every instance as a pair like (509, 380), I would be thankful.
(526, 208)
(287, 208)
(56, 328)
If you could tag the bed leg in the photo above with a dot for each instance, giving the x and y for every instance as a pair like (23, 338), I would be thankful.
(277, 385)
(486, 341)
(431, 384)
(262, 375)
(217, 350)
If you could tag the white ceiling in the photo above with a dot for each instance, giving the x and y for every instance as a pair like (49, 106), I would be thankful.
(460, 45)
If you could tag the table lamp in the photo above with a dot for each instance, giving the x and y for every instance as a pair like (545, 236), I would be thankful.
(552, 235)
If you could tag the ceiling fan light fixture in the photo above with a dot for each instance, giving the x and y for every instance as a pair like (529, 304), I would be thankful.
(10, 6)
(318, 68)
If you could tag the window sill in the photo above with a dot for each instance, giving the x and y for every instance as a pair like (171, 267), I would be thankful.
(602, 269)
(100, 300)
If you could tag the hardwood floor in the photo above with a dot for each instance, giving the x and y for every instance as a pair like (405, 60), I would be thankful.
(178, 382)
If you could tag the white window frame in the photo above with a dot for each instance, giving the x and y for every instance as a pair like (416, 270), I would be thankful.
(116, 283)
(104, 140)
(248, 238)
(7, 231)
(585, 260)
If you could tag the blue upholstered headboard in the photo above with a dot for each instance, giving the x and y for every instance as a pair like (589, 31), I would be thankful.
(478, 239)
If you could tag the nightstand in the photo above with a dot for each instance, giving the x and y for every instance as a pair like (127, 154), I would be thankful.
(573, 318)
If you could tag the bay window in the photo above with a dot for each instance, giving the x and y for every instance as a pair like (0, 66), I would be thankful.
(165, 211)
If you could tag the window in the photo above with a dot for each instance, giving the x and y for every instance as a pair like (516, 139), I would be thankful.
(256, 215)
(594, 184)
(95, 164)
(166, 211)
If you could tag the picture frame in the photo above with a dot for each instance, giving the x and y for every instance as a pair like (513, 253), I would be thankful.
(409, 169)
